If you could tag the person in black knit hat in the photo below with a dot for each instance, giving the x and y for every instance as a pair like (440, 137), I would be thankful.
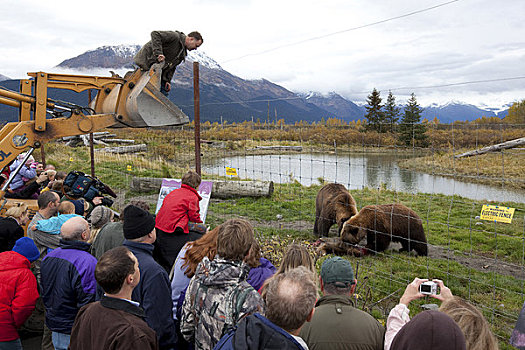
(153, 291)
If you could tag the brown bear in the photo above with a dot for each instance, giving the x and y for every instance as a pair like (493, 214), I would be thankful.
(382, 224)
(333, 205)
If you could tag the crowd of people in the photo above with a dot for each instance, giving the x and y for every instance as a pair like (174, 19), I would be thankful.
(106, 284)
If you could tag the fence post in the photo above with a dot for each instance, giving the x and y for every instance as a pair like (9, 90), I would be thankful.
(197, 119)
(91, 147)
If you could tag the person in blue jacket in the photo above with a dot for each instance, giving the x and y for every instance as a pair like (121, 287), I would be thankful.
(153, 291)
(66, 211)
(68, 280)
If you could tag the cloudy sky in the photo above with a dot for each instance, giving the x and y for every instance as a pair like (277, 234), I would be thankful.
(346, 46)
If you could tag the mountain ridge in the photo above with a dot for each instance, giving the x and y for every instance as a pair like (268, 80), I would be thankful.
(225, 96)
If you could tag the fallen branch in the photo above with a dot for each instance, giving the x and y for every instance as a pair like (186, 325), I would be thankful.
(494, 148)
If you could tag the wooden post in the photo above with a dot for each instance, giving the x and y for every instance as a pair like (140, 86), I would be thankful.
(43, 155)
(197, 119)
(91, 142)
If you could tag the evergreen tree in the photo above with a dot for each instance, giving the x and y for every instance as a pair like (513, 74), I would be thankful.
(391, 113)
(411, 131)
(374, 113)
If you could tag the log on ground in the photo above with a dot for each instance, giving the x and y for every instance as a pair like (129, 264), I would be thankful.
(221, 189)
(124, 149)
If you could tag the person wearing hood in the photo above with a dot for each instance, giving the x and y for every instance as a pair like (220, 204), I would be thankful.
(18, 290)
(218, 295)
(430, 330)
(153, 292)
(26, 173)
(290, 302)
(179, 208)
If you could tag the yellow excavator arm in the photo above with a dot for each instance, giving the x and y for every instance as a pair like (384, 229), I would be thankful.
(133, 101)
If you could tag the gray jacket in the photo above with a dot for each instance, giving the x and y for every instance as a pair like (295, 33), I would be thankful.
(44, 241)
(167, 43)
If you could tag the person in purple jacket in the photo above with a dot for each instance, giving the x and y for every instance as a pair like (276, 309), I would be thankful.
(68, 280)
(261, 268)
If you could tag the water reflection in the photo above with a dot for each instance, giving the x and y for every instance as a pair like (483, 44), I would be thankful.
(356, 171)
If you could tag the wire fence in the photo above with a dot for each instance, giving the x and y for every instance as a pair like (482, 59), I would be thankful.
(481, 261)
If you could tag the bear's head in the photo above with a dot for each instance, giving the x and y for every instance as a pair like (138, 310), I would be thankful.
(352, 233)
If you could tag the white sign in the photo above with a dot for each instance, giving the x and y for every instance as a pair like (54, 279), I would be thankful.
(204, 191)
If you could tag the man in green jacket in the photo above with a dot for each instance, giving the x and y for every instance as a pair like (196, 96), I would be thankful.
(336, 323)
(170, 47)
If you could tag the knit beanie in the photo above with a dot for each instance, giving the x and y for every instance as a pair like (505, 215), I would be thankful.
(137, 222)
(26, 247)
(100, 216)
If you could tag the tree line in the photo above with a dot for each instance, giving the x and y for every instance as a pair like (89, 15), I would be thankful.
(388, 117)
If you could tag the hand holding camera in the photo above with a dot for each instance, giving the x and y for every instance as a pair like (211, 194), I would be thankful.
(419, 288)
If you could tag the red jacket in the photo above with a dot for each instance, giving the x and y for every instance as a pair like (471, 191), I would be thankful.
(18, 293)
(179, 207)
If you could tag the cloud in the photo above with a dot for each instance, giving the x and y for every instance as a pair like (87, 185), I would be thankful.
(303, 45)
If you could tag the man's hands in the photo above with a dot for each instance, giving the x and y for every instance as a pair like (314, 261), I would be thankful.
(412, 291)
(161, 58)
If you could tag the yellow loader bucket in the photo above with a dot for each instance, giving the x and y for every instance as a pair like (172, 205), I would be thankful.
(140, 102)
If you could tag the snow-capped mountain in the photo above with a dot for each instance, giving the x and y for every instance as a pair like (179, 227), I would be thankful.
(226, 96)
(457, 110)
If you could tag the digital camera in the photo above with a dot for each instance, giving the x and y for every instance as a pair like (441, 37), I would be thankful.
(428, 288)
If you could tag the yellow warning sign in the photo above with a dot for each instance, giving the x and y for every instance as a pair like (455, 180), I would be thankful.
(497, 213)
(231, 171)
(128, 168)
(70, 159)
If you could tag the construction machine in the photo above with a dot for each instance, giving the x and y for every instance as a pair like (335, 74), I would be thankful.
(133, 101)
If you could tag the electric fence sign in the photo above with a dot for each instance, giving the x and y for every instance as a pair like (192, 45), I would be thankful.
(497, 213)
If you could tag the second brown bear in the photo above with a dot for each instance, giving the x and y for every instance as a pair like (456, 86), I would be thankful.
(381, 224)
(333, 205)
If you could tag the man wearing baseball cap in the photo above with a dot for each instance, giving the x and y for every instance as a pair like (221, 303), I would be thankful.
(154, 289)
(336, 323)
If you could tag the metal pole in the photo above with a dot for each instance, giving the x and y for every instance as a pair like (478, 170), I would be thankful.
(14, 172)
(197, 119)
(91, 147)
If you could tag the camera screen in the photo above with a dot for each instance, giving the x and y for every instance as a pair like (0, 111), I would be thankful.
(425, 288)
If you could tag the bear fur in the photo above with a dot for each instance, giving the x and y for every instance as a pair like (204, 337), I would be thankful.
(333, 205)
(381, 224)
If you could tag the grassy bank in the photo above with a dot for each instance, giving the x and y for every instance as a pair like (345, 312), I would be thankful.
(503, 168)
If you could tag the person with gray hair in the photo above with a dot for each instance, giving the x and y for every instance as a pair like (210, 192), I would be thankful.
(337, 324)
(290, 301)
(68, 280)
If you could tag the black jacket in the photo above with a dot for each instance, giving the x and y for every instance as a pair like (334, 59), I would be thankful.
(154, 294)
(257, 332)
(10, 231)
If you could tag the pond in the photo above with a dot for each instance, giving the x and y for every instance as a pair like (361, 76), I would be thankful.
(356, 171)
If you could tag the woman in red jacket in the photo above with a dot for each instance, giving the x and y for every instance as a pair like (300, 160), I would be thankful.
(18, 291)
(179, 209)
